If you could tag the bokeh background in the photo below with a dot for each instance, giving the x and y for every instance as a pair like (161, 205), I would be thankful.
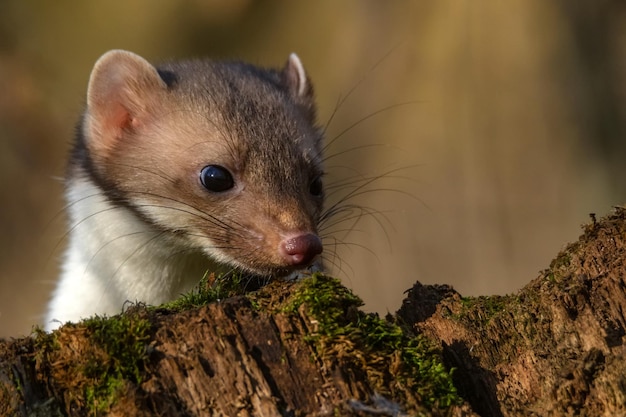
(507, 117)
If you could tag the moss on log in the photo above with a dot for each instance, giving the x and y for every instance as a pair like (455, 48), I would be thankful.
(289, 349)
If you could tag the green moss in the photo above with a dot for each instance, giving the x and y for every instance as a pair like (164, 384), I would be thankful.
(384, 349)
(563, 260)
(119, 355)
(43, 342)
(397, 364)
(559, 269)
(328, 301)
(91, 374)
(484, 308)
(211, 288)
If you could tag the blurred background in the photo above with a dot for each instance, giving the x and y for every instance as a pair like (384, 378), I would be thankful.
(507, 117)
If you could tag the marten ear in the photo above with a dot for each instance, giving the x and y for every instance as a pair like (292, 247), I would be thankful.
(295, 77)
(297, 82)
(121, 93)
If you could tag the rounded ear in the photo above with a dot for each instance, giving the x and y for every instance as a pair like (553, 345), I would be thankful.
(120, 94)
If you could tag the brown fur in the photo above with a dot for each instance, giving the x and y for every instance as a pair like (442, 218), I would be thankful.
(147, 134)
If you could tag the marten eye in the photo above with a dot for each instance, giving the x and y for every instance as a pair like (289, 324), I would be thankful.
(316, 188)
(216, 178)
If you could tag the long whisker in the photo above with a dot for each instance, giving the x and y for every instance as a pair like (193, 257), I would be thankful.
(358, 245)
(358, 177)
(140, 247)
(95, 255)
(343, 99)
(197, 212)
(359, 189)
(159, 174)
(356, 218)
(337, 263)
(358, 148)
(363, 119)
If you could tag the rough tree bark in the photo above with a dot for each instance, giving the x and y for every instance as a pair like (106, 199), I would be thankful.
(288, 349)
(557, 347)
(295, 349)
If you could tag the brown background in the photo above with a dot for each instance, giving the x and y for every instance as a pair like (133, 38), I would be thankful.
(515, 129)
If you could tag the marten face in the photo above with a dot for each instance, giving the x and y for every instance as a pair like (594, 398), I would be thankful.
(223, 158)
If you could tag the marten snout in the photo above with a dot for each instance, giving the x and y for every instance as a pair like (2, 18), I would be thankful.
(301, 249)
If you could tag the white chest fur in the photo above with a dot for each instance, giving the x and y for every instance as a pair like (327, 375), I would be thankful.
(114, 257)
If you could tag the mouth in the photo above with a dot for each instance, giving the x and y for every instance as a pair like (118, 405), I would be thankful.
(286, 272)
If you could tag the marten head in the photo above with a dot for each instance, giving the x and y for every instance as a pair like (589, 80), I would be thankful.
(223, 157)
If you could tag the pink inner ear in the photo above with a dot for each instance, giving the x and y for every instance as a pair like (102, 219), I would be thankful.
(120, 118)
(113, 121)
(108, 123)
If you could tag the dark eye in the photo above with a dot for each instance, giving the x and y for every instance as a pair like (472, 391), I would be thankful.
(216, 178)
(316, 188)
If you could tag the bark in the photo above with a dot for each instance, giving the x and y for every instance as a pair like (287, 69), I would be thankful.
(554, 348)
(299, 349)
(289, 349)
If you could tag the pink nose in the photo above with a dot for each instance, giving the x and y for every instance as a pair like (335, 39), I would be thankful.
(300, 250)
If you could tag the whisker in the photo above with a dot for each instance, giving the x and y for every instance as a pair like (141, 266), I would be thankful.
(64, 210)
(358, 189)
(95, 255)
(159, 174)
(365, 118)
(140, 247)
(132, 254)
(358, 148)
(205, 216)
(360, 178)
(388, 190)
(356, 218)
(336, 262)
(343, 99)
(358, 245)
